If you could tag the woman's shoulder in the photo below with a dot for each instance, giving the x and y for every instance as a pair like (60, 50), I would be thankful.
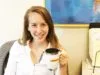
(16, 44)
(16, 47)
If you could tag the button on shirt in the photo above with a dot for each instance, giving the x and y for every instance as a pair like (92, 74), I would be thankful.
(20, 63)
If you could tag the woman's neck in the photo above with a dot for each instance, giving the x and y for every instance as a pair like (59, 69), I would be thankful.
(39, 46)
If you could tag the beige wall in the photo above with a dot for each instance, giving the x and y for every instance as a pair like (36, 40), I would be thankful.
(74, 39)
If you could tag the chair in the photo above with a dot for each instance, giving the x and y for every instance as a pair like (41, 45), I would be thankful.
(4, 54)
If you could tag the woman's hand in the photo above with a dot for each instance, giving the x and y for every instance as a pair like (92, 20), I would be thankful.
(63, 61)
(63, 58)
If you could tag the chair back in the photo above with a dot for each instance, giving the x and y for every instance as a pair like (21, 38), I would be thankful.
(4, 54)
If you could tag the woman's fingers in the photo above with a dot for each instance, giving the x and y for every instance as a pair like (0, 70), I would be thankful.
(63, 58)
(55, 60)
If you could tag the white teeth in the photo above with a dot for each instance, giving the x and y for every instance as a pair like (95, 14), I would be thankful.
(40, 36)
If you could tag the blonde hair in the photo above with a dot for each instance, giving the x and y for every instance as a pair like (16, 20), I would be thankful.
(51, 37)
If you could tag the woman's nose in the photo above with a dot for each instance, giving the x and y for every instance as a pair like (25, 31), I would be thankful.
(39, 29)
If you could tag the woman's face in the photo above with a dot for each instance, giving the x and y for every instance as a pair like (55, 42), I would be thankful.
(38, 27)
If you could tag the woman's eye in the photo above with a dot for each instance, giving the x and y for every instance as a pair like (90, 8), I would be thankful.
(33, 25)
(43, 24)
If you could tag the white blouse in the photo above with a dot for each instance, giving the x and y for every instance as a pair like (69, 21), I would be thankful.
(20, 63)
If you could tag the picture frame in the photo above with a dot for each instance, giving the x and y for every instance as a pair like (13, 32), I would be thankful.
(70, 12)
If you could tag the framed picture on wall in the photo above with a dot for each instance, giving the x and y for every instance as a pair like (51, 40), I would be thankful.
(71, 11)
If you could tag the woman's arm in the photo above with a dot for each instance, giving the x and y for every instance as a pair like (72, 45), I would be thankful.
(64, 70)
(63, 60)
(11, 64)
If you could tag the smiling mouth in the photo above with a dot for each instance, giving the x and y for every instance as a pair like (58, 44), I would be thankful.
(40, 36)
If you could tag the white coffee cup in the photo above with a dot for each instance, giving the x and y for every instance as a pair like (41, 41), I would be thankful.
(52, 58)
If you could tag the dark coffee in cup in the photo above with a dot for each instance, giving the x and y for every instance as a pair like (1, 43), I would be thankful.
(52, 50)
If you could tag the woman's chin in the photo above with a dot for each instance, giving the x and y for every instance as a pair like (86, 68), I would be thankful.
(40, 41)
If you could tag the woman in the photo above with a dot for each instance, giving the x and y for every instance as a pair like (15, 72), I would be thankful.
(27, 54)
